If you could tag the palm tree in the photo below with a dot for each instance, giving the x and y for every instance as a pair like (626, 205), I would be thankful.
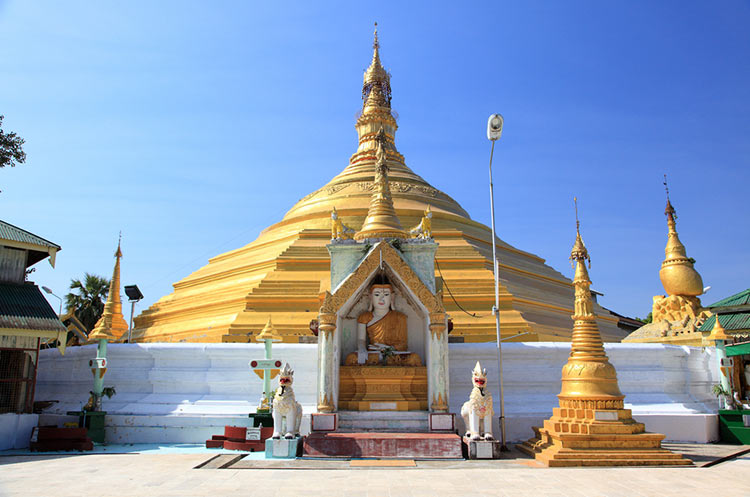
(88, 299)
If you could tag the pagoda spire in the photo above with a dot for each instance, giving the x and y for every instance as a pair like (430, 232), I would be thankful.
(677, 274)
(591, 423)
(376, 87)
(588, 375)
(376, 113)
(381, 220)
(112, 326)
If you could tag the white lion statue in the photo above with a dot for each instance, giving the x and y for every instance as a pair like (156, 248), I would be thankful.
(287, 412)
(478, 412)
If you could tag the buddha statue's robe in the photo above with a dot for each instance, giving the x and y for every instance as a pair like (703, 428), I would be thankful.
(390, 330)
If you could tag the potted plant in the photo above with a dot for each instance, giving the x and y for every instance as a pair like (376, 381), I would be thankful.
(723, 395)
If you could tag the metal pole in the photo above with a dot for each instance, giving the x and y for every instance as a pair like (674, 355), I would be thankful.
(267, 373)
(130, 328)
(496, 309)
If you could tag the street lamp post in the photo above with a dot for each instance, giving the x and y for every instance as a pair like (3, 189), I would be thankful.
(47, 290)
(134, 296)
(494, 131)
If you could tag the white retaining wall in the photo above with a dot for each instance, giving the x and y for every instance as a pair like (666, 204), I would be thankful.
(187, 392)
(15, 430)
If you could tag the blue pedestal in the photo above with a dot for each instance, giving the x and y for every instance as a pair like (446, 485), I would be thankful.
(282, 448)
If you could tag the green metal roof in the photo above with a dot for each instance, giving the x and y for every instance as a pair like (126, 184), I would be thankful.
(16, 234)
(738, 299)
(734, 321)
(23, 307)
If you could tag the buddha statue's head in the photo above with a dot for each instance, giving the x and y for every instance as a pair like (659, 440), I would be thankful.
(381, 297)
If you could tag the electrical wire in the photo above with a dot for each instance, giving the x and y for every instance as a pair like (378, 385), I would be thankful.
(445, 283)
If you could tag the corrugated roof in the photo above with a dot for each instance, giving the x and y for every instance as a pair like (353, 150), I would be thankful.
(733, 321)
(16, 234)
(742, 298)
(23, 307)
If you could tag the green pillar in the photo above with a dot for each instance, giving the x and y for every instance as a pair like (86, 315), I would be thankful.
(267, 373)
(99, 367)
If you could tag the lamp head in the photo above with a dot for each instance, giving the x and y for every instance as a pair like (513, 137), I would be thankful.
(133, 292)
(494, 127)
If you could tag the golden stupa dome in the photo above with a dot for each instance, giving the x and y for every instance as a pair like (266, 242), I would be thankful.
(286, 269)
(677, 273)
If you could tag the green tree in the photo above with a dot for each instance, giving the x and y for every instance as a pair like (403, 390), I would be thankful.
(87, 298)
(648, 319)
(11, 151)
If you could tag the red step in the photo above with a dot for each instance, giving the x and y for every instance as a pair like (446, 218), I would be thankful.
(50, 438)
(234, 439)
(251, 446)
(385, 445)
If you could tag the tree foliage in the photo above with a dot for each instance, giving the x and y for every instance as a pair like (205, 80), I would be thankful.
(87, 298)
(11, 148)
(648, 318)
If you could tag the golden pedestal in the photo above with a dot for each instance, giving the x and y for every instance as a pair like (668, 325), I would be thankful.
(597, 437)
(382, 388)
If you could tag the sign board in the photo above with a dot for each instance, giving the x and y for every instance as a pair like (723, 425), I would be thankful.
(253, 433)
(265, 363)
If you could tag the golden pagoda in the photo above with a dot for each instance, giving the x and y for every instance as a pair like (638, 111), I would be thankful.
(591, 427)
(381, 220)
(111, 326)
(675, 317)
(286, 269)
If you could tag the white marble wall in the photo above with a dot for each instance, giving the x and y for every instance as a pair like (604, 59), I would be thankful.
(187, 392)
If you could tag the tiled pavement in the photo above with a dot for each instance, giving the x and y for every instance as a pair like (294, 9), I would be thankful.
(170, 474)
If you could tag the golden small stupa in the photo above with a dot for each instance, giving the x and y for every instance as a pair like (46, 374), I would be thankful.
(268, 333)
(675, 317)
(287, 268)
(111, 326)
(591, 427)
(381, 220)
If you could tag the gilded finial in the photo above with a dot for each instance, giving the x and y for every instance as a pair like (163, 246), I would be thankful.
(118, 252)
(579, 252)
(669, 211)
(376, 88)
(268, 333)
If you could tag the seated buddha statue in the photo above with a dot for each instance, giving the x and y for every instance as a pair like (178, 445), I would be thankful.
(382, 333)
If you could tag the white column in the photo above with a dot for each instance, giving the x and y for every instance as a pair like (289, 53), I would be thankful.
(327, 363)
(437, 369)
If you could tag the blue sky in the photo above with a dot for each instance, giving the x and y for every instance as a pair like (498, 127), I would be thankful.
(192, 126)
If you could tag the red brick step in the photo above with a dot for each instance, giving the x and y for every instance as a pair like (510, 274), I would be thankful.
(384, 445)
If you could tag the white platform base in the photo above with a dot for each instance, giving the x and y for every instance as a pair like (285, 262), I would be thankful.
(15, 430)
(184, 393)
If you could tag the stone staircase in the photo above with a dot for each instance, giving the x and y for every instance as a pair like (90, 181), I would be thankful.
(383, 434)
(383, 421)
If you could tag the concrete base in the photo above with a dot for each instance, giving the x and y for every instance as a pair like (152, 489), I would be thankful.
(282, 448)
(15, 430)
(443, 421)
(481, 449)
(323, 422)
